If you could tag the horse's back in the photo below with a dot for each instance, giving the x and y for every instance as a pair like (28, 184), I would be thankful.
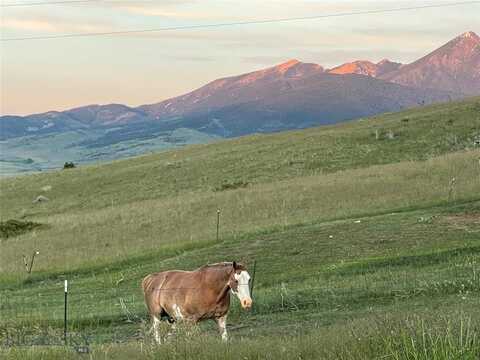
(164, 280)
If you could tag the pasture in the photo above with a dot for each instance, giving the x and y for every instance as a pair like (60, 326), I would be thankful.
(365, 247)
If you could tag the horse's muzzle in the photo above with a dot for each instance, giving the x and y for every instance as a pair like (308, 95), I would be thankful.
(246, 303)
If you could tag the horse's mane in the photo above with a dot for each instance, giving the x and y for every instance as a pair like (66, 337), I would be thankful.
(222, 265)
(217, 265)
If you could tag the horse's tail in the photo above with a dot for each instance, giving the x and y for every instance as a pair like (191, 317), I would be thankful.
(146, 282)
(147, 287)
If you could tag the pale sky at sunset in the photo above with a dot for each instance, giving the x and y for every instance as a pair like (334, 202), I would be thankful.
(134, 69)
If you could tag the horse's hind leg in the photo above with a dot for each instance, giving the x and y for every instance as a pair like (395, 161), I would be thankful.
(164, 316)
(157, 320)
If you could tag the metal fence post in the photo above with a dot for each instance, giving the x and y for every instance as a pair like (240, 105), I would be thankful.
(218, 221)
(65, 314)
(252, 282)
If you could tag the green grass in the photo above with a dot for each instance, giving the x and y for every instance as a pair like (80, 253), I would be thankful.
(364, 248)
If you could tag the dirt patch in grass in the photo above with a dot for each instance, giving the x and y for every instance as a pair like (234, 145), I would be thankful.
(11, 228)
(466, 221)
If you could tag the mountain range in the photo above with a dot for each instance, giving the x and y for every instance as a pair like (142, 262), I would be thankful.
(291, 95)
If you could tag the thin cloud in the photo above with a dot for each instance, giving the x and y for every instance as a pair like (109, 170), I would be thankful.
(28, 24)
(156, 11)
(52, 25)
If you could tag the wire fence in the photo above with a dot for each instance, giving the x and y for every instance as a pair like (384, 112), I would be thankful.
(116, 313)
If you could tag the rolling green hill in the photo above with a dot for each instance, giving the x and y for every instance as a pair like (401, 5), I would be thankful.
(356, 229)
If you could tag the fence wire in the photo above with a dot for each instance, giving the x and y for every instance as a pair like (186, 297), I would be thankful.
(118, 314)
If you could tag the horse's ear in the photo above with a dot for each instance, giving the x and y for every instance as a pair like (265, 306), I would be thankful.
(234, 265)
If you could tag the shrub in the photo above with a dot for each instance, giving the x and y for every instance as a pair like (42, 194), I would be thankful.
(12, 228)
(232, 185)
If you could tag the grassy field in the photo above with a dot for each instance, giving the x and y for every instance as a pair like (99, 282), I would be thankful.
(366, 246)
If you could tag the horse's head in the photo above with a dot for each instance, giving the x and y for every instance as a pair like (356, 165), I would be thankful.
(239, 283)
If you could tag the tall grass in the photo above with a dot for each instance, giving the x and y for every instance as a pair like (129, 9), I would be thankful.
(408, 339)
(109, 233)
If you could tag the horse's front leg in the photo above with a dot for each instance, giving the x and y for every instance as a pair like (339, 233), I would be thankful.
(222, 326)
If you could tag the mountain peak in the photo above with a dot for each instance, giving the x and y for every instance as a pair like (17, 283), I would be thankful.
(384, 61)
(293, 68)
(287, 65)
(466, 40)
(364, 67)
(470, 35)
(454, 67)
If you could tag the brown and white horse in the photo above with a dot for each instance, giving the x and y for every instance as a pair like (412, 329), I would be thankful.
(197, 295)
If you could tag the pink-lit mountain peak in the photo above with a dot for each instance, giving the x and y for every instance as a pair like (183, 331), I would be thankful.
(290, 69)
(287, 65)
(362, 67)
(470, 35)
(464, 44)
(462, 47)
(365, 67)
(454, 66)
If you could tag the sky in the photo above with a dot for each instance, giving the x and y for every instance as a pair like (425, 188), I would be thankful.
(143, 68)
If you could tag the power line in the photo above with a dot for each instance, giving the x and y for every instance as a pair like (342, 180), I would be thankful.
(238, 23)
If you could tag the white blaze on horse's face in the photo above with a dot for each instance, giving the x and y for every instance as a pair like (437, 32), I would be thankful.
(243, 289)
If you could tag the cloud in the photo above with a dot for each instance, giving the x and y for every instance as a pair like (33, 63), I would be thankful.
(189, 58)
(226, 10)
(52, 24)
(156, 11)
(28, 24)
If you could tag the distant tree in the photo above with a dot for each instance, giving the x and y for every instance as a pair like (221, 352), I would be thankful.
(68, 165)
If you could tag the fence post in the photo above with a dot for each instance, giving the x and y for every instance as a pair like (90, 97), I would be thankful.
(252, 282)
(31, 261)
(218, 221)
(65, 314)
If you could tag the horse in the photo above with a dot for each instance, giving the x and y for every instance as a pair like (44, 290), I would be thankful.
(194, 296)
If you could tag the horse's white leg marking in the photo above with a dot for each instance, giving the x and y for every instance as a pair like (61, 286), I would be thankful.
(156, 324)
(222, 326)
(178, 312)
